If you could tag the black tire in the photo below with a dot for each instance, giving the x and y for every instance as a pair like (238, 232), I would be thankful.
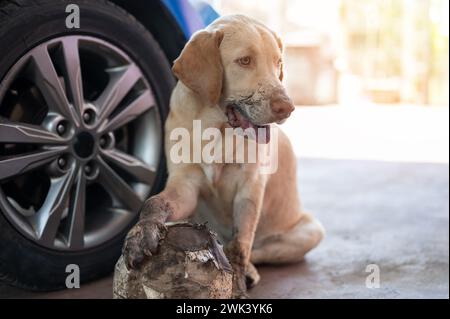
(23, 25)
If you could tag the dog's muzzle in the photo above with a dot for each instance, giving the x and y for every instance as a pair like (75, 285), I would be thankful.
(237, 118)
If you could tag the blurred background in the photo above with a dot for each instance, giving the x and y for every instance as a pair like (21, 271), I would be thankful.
(379, 69)
(371, 133)
(338, 51)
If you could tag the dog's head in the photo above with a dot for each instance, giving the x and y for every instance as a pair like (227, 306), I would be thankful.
(236, 63)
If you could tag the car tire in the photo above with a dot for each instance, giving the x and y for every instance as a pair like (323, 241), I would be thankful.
(24, 24)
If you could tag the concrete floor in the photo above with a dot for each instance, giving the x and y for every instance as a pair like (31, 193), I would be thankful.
(386, 204)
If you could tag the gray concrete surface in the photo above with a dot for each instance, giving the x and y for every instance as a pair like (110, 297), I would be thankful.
(389, 214)
(379, 209)
(394, 215)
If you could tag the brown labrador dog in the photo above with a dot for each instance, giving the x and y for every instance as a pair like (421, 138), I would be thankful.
(230, 77)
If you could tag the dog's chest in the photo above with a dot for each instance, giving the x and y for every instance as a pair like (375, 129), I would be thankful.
(212, 173)
(217, 197)
(222, 182)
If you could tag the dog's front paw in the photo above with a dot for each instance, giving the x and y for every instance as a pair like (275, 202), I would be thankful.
(252, 277)
(142, 241)
(239, 284)
(239, 295)
(234, 253)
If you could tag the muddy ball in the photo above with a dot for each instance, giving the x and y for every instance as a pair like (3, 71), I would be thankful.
(190, 264)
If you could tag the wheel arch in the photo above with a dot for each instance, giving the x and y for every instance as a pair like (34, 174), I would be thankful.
(159, 21)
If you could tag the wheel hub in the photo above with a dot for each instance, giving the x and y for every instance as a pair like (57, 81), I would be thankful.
(84, 145)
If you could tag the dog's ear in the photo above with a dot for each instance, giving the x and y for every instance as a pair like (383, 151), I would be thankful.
(280, 45)
(199, 66)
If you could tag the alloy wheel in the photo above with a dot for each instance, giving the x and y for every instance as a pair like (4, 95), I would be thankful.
(80, 142)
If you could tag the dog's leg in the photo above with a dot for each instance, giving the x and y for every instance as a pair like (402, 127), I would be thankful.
(246, 213)
(290, 246)
(176, 202)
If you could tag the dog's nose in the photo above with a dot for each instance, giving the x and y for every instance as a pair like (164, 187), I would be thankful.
(282, 106)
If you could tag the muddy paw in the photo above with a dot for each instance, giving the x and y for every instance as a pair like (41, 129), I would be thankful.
(239, 285)
(142, 241)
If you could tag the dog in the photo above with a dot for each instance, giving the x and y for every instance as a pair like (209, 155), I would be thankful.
(230, 77)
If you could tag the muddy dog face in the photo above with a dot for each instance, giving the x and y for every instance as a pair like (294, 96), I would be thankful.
(236, 63)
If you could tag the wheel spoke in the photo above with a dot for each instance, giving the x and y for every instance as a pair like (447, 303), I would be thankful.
(45, 77)
(47, 220)
(72, 72)
(117, 187)
(140, 105)
(13, 132)
(120, 84)
(19, 164)
(77, 213)
(138, 170)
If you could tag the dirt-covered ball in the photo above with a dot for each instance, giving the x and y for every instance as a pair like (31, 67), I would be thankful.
(190, 264)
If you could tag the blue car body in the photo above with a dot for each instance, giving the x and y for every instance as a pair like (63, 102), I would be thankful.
(191, 15)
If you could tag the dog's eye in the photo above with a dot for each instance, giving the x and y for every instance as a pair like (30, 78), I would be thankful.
(244, 61)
